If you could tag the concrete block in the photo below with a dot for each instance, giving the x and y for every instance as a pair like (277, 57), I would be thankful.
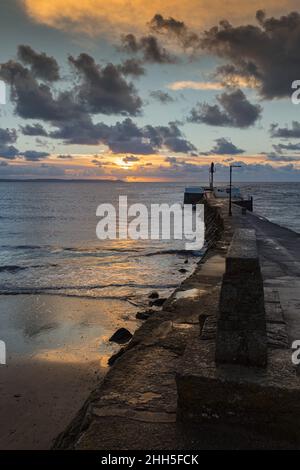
(241, 325)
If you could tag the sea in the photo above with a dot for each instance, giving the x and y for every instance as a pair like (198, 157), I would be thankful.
(48, 241)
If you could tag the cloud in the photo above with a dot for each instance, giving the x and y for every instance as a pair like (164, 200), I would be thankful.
(42, 66)
(8, 137)
(10, 152)
(267, 52)
(131, 159)
(170, 137)
(224, 147)
(65, 157)
(282, 158)
(34, 100)
(192, 85)
(290, 147)
(124, 137)
(104, 89)
(26, 171)
(99, 90)
(132, 67)
(33, 155)
(97, 17)
(285, 132)
(180, 169)
(34, 130)
(150, 48)
(177, 29)
(233, 110)
(161, 96)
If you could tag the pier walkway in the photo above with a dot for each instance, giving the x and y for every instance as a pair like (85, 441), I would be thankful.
(279, 252)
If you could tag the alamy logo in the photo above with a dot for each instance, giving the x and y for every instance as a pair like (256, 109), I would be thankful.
(160, 222)
(2, 93)
(2, 353)
(296, 353)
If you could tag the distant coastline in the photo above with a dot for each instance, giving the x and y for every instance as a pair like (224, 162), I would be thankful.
(57, 180)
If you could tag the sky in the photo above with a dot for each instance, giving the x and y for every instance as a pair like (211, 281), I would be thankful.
(149, 91)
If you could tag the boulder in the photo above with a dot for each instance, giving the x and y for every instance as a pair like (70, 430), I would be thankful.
(153, 295)
(144, 315)
(157, 302)
(121, 336)
(116, 356)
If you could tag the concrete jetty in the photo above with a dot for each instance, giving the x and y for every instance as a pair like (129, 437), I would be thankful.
(171, 390)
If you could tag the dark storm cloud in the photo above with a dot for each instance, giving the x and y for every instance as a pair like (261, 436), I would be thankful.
(34, 130)
(34, 100)
(104, 89)
(7, 138)
(175, 28)
(10, 152)
(267, 52)
(132, 67)
(100, 90)
(233, 110)
(161, 96)
(170, 137)
(224, 147)
(124, 137)
(42, 66)
(285, 132)
(81, 131)
(149, 47)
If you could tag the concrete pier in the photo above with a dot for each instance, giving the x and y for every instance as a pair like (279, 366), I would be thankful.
(168, 392)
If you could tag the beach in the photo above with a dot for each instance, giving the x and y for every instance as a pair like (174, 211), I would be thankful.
(57, 353)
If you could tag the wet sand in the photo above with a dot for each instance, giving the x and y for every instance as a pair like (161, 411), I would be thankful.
(57, 351)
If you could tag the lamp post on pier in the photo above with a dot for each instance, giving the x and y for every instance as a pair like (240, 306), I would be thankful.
(230, 188)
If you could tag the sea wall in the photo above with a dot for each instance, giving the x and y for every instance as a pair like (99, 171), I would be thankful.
(139, 390)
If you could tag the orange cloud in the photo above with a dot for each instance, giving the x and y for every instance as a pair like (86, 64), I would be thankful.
(95, 17)
(192, 85)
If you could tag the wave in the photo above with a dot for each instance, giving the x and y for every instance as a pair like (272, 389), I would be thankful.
(176, 252)
(14, 269)
(61, 249)
(40, 289)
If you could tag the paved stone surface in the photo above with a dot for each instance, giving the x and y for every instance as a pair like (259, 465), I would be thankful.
(279, 251)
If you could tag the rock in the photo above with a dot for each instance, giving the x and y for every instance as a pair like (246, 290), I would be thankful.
(121, 336)
(183, 270)
(153, 295)
(115, 356)
(157, 302)
(186, 261)
(144, 315)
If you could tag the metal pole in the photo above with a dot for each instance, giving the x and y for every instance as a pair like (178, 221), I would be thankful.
(230, 187)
